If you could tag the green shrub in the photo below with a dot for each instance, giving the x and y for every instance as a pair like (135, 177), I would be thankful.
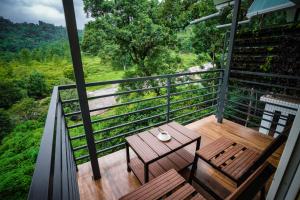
(5, 123)
(18, 154)
(9, 93)
(36, 85)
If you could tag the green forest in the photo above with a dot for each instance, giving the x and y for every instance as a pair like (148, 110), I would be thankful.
(128, 38)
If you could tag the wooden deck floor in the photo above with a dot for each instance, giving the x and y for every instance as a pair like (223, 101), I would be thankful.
(116, 181)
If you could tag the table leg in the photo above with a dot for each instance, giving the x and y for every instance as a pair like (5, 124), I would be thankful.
(127, 157)
(194, 168)
(146, 173)
(198, 144)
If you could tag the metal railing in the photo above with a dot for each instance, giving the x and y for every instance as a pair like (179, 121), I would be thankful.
(141, 103)
(55, 170)
(262, 101)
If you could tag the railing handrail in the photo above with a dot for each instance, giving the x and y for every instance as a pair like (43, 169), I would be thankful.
(40, 184)
(54, 176)
(72, 86)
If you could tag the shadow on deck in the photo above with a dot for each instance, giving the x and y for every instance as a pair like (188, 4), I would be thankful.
(116, 181)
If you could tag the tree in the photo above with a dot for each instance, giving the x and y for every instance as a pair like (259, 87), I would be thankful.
(36, 85)
(136, 30)
(5, 123)
(25, 56)
(9, 92)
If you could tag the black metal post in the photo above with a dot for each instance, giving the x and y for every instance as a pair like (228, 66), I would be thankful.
(168, 98)
(80, 83)
(127, 157)
(224, 86)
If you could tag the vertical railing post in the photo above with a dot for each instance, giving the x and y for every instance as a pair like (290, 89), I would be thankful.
(168, 98)
(224, 87)
(80, 84)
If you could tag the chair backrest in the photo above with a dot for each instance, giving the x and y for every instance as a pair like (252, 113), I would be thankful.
(271, 148)
(253, 184)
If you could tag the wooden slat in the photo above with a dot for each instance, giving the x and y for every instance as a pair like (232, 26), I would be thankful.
(182, 193)
(185, 155)
(141, 148)
(167, 164)
(214, 148)
(157, 188)
(137, 167)
(159, 147)
(178, 160)
(172, 144)
(240, 164)
(227, 155)
(187, 132)
(198, 197)
(175, 134)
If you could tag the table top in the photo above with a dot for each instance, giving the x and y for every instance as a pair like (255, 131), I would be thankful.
(149, 147)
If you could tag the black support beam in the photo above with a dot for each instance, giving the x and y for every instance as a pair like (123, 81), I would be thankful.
(80, 83)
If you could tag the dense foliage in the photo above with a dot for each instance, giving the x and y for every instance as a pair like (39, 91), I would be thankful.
(17, 36)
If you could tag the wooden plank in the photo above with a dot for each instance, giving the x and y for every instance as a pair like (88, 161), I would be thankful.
(187, 132)
(172, 144)
(182, 193)
(175, 134)
(178, 160)
(227, 155)
(157, 188)
(159, 147)
(189, 157)
(214, 148)
(246, 165)
(141, 148)
(137, 167)
(240, 164)
(198, 197)
(167, 164)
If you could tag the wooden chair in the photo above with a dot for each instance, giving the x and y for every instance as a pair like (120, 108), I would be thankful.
(172, 186)
(234, 160)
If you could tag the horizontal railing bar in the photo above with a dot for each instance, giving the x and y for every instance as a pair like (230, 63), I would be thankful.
(129, 123)
(265, 74)
(129, 113)
(128, 103)
(257, 117)
(258, 109)
(187, 91)
(201, 116)
(260, 92)
(238, 118)
(116, 94)
(110, 148)
(82, 157)
(117, 116)
(72, 86)
(191, 82)
(120, 135)
(264, 84)
(184, 115)
(78, 137)
(72, 113)
(196, 104)
(259, 101)
(128, 133)
(250, 122)
(187, 99)
(117, 105)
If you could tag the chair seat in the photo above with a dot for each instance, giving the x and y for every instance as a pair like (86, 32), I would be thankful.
(169, 186)
(229, 157)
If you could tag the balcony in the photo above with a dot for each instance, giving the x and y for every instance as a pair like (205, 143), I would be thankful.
(192, 99)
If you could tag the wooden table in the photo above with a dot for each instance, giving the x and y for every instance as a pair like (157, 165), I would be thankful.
(155, 157)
